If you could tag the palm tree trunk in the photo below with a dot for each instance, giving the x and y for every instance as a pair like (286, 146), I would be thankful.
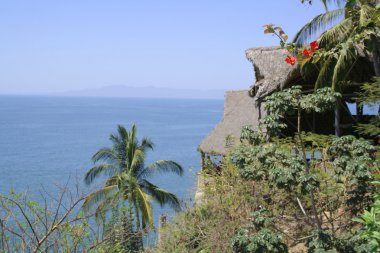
(138, 227)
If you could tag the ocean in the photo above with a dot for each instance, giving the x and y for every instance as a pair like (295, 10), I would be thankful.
(49, 141)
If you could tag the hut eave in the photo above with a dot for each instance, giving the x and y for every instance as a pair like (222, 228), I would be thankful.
(271, 71)
(239, 110)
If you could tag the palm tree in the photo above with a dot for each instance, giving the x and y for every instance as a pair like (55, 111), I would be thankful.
(320, 23)
(348, 36)
(127, 180)
(354, 31)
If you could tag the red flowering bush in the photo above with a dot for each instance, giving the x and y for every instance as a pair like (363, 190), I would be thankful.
(290, 60)
(314, 46)
(307, 53)
(292, 48)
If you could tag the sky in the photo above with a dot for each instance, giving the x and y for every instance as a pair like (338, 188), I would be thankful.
(55, 46)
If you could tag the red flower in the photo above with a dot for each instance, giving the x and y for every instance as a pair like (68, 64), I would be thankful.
(290, 60)
(307, 53)
(314, 46)
(378, 141)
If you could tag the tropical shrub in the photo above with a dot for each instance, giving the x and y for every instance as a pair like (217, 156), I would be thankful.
(324, 181)
(263, 239)
(209, 227)
(370, 220)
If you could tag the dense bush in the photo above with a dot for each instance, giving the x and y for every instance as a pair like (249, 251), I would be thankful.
(296, 194)
(209, 227)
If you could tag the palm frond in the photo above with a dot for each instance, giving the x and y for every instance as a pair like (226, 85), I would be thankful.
(115, 180)
(108, 203)
(99, 195)
(143, 202)
(104, 154)
(343, 65)
(146, 144)
(137, 162)
(324, 77)
(317, 25)
(336, 34)
(370, 130)
(366, 13)
(123, 133)
(370, 93)
(162, 166)
(97, 170)
(326, 3)
(160, 195)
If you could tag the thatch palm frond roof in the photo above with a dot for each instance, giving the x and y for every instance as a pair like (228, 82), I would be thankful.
(239, 110)
(271, 71)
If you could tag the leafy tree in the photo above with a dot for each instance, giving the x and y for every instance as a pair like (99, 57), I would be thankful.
(123, 164)
(328, 178)
(370, 95)
(371, 222)
(54, 224)
(262, 239)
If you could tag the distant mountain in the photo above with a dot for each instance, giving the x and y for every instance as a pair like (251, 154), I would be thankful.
(143, 92)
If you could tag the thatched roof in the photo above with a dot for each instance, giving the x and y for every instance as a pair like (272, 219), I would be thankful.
(239, 110)
(271, 71)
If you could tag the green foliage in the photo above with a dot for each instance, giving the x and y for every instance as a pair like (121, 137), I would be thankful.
(353, 164)
(209, 227)
(356, 30)
(251, 136)
(372, 129)
(279, 167)
(370, 95)
(371, 222)
(119, 228)
(321, 100)
(276, 31)
(289, 101)
(30, 226)
(329, 178)
(264, 239)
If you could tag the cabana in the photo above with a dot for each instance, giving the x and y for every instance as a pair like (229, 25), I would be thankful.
(242, 108)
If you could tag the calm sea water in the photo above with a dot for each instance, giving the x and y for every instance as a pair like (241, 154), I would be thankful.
(48, 140)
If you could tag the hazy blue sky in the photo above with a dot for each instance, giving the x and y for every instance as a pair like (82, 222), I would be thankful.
(51, 46)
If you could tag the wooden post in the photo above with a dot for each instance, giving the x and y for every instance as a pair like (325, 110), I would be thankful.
(337, 120)
(259, 105)
(359, 112)
(299, 121)
(375, 56)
